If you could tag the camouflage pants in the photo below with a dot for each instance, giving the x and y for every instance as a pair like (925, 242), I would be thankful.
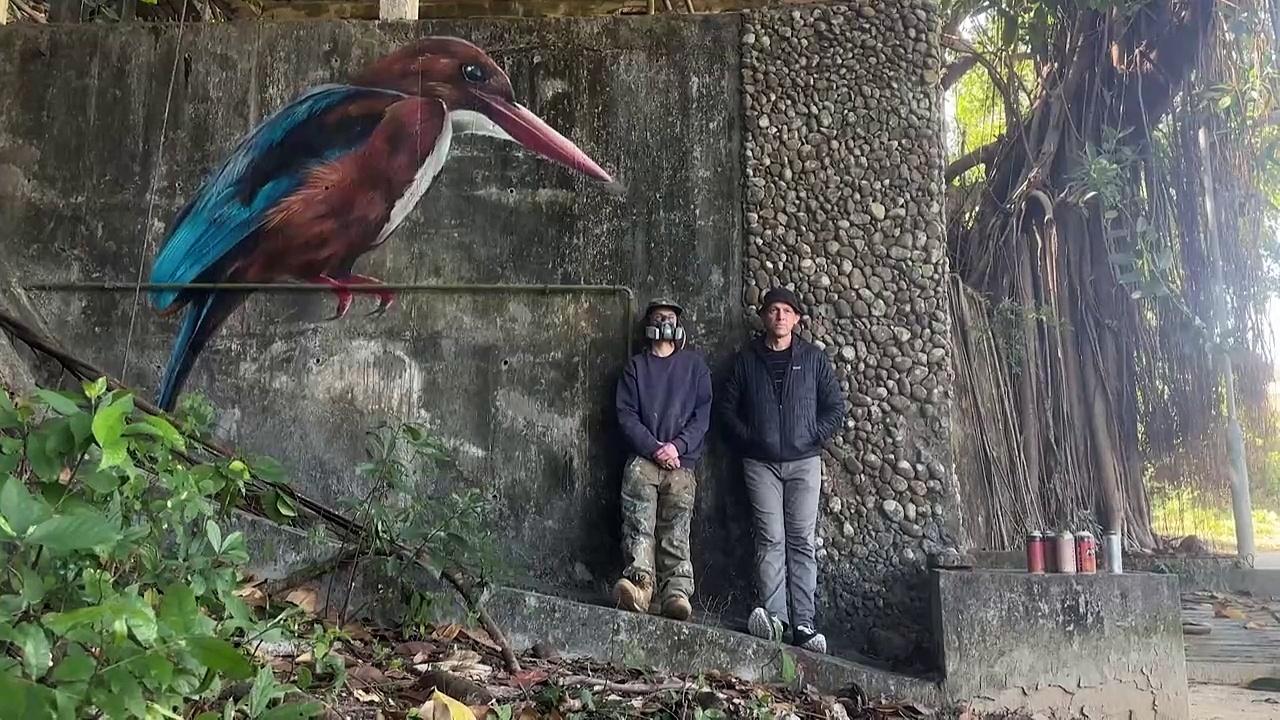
(657, 508)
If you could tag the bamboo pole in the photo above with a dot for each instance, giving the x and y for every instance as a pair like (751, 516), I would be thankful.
(1241, 504)
(4, 11)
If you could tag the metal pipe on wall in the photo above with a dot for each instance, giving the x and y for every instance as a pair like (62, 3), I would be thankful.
(482, 288)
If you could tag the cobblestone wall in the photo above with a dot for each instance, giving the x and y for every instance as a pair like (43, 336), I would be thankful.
(843, 205)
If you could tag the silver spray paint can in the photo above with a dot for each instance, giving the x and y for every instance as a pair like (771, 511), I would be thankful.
(1111, 546)
(1066, 552)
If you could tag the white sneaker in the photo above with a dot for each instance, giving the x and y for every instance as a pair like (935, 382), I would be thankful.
(807, 638)
(764, 626)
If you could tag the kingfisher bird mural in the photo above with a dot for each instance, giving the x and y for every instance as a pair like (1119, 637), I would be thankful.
(330, 177)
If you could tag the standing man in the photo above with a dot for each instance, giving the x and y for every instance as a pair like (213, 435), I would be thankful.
(781, 404)
(664, 408)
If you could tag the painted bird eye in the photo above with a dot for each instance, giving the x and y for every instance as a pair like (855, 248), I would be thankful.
(473, 73)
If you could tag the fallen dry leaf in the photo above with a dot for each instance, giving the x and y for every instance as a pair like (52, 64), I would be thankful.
(357, 632)
(252, 595)
(447, 632)
(366, 696)
(481, 637)
(304, 598)
(1224, 611)
(304, 658)
(414, 649)
(365, 676)
(1254, 625)
(526, 679)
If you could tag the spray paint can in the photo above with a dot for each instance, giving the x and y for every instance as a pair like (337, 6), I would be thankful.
(1035, 553)
(1086, 553)
(1111, 547)
(1066, 552)
(1049, 543)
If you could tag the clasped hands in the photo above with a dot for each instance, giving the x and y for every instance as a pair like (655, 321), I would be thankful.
(667, 457)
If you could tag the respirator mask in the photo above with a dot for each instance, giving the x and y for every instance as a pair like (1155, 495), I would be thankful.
(664, 330)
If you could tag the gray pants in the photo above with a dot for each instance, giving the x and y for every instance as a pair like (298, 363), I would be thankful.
(785, 499)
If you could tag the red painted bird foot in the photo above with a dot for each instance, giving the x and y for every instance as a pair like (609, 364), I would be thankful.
(386, 298)
(340, 289)
(349, 284)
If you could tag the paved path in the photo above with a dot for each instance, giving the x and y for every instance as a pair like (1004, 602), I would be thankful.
(1238, 649)
(1218, 702)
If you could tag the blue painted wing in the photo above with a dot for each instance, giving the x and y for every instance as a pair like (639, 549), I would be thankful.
(266, 167)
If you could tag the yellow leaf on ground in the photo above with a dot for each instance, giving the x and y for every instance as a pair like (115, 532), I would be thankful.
(443, 707)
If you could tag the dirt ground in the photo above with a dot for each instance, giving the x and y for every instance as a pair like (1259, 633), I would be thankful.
(1222, 702)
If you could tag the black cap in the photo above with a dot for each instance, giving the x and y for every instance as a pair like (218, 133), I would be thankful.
(663, 302)
(781, 294)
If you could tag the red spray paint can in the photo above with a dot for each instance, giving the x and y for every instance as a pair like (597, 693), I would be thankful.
(1035, 553)
(1086, 553)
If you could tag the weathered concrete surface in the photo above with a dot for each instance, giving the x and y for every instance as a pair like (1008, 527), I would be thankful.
(518, 384)
(1097, 646)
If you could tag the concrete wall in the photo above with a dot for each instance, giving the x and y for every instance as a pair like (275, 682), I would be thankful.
(1062, 646)
(838, 172)
(844, 196)
(519, 384)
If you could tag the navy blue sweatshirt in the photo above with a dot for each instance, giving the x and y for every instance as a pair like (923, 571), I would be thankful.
(665, 400)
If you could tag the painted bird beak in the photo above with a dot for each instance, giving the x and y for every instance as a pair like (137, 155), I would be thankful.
(538, 137)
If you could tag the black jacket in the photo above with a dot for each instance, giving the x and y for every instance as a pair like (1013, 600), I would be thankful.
(794, 426)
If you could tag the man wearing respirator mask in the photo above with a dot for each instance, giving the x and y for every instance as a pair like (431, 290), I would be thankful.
(664, 408)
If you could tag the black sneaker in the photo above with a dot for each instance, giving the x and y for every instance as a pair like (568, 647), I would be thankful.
(807, 638)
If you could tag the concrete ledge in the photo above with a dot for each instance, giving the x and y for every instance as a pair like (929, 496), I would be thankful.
(1216, 574)
(574, 628)
(1061, 645)
(622, 637)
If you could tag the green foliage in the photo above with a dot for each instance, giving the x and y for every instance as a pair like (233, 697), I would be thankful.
(117, 596)
(404, 508)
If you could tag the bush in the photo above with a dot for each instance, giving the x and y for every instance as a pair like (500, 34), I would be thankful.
(118, 596)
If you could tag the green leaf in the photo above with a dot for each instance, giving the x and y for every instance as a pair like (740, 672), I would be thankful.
(166, 430)
(214, 534)
(44, 462)
(293, 711)
(36, 651)
(77, 666)
(114, 455)
(93, 390)
(58, 402)
(178, 609)
(33, 589)
(8, 413)
(81, 425)
(63, 623)
(20, 507)
(285, 506)
(268, 469)
(101, 481)
(109, 421)
(1164, 258)
(78, 531)
(220, 655)
(141, 620)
